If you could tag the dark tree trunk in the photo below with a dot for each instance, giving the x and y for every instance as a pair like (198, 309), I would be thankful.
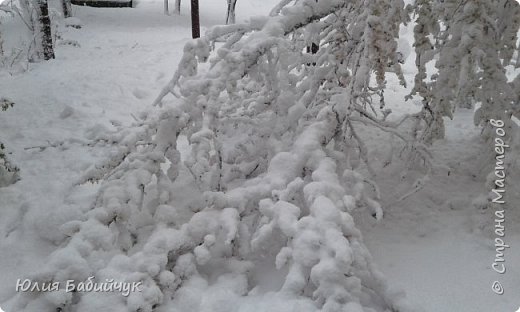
(313, 49)
(195, 24)
(230, 16)
(178, 6)
(45, 28)
(67, 8)
(166, 8)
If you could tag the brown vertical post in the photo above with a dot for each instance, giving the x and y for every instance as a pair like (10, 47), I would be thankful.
(195, 24)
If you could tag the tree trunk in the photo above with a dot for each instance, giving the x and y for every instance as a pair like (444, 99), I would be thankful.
(1, 45)
(166, 9)
(45, 29)
(195, 25)
(314, 47)
(178, 7)
(67, 8)
(230, 16)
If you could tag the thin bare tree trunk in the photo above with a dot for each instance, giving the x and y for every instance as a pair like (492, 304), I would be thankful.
(45, 29)
(314, 47)
(178, 7)
(166, 8)
(67, 8)
(195, 24)
(230, 15)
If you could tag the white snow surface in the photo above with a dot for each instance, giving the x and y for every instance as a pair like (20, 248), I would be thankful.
(435, 245)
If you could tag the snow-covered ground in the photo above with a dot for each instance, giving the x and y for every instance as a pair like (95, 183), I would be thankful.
(434, 244)
(439, 247)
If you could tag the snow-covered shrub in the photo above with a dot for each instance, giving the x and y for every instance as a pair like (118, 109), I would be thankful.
(8, 172)
(25, 30)
(472, 43)
(11, 51)
(275, 166)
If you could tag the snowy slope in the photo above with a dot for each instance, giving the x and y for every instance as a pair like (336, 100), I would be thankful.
(434, 244)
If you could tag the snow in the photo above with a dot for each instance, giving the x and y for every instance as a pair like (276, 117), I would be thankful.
(435, 244)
